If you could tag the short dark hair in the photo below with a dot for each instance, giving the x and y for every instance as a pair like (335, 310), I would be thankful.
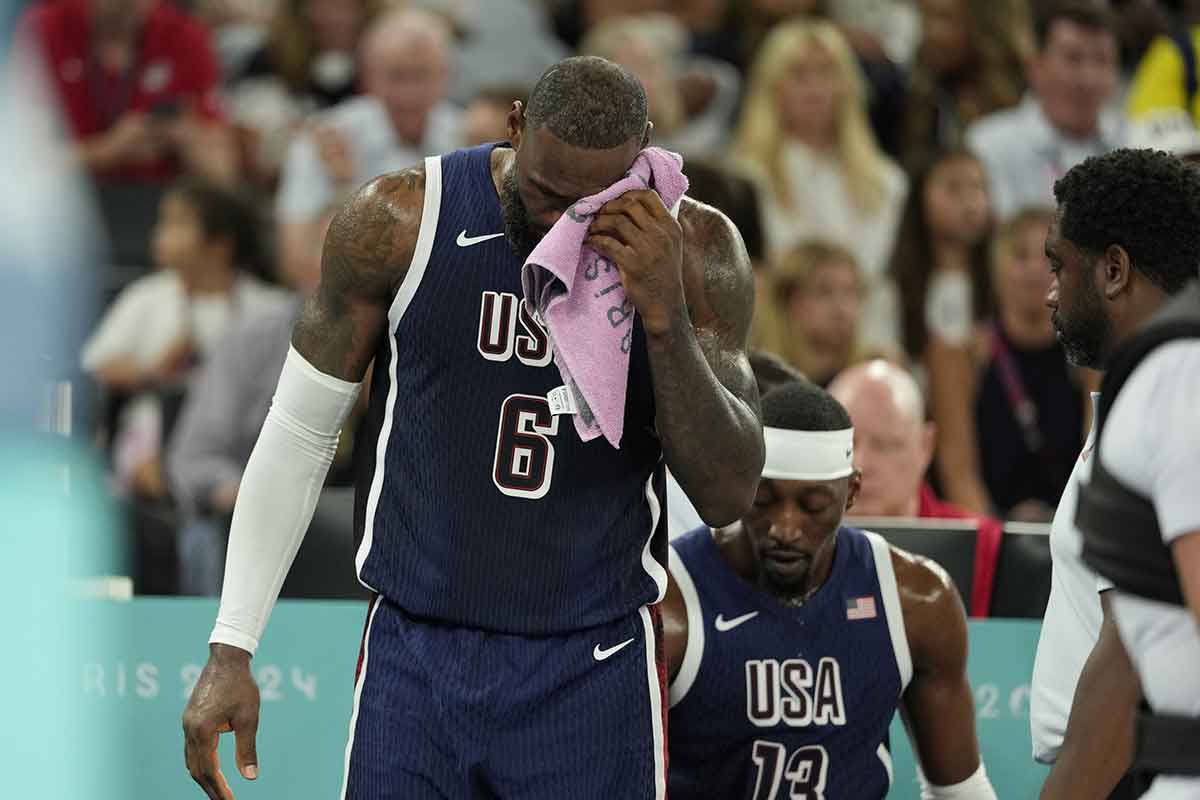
(771, 370)
(229, 214)
(589, 102)
(1093, 15)
(803, 406)
(1146, 201)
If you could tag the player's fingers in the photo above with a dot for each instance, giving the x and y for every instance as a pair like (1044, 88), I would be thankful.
(204, 762)
(608, 247)
(631, 206)
(245, 731)
(618, 226)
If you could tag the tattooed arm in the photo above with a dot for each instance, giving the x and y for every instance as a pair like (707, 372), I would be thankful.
(706, 399)
(690, 281)
(367, 251)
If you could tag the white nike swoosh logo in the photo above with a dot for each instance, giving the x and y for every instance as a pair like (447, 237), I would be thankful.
(600, 654)
(723, 624)
(466, 241)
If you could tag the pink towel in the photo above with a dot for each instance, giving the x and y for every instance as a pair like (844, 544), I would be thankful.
(578, 294)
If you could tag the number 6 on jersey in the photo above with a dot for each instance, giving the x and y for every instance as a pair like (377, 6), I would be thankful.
(524, 464)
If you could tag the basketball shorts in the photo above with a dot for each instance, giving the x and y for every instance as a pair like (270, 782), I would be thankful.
(457, 713)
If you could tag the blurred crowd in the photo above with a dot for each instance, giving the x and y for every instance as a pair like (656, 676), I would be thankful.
(889, 164)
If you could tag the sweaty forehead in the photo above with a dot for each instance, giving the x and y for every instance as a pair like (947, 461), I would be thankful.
(573, 172)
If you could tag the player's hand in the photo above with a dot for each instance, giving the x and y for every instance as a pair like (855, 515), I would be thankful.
(225, 699)
(637, 233)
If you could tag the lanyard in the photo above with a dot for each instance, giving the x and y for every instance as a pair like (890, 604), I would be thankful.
(1019, 402)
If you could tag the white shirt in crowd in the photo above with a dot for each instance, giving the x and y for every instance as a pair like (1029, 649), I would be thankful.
(305, 188)
(1025, 154)
(1151, 444)
(146, 319)
(824, 209)
(1073, 617)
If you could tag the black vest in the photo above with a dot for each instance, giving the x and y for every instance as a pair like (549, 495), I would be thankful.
(1121, 537)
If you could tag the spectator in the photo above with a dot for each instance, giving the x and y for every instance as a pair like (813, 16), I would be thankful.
(893, 446)
(217, 428)
(818, 296)
(940, 264)
(207, 245)
(691, 100)
(1166, 75)
(1010, 410)
(970, 63)
(306, 64)
(485, 119)
(137, 79)
(1064, 120)
(805, 134)
(498, 42)
(402, 117)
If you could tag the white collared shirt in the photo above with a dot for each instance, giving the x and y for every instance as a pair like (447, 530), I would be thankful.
(1025, 154)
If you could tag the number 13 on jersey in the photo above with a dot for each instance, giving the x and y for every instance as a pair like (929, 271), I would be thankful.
(805, 771)
(524, 464)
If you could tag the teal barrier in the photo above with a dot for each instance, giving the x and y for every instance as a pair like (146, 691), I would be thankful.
(305, 670)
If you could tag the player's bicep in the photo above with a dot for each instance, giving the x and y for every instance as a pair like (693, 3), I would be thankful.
(939, 702)
(366, 255)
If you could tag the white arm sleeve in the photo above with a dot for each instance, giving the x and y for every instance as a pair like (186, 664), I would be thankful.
(976, 787)
(278, 495)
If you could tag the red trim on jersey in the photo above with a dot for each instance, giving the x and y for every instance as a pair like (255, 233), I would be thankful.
(362, 643)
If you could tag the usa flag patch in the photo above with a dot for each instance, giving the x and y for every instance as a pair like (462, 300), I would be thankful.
(860, 607)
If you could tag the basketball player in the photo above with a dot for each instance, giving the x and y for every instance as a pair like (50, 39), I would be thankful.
(513, 648)
(1126, 238)
(792, 640)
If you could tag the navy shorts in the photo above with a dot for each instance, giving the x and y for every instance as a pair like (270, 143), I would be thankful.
(457, 713)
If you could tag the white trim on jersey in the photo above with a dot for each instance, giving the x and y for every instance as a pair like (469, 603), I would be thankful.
(886, 758)
(891, 606)
(404, 296)
(654, 683)
(362, 679)
(654, 569)
(693, 653)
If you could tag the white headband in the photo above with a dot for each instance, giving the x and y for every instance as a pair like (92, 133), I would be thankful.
(808, 455)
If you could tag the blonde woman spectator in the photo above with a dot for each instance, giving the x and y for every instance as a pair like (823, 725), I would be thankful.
(804, 132)
(971, 62)
(818, 299)
(1009, 407)
(692, 100)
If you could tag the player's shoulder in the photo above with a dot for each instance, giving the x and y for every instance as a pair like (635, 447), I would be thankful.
(373, 237)
(714, 241)
(921, 582)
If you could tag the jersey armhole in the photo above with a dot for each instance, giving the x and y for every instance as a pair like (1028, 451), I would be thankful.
(891, 606)
(693, 654)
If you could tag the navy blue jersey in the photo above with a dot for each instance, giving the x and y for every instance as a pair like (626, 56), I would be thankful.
(476, 506)
(773, 702)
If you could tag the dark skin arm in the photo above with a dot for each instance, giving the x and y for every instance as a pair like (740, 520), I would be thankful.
(675, 628)
(367, 252)
(938, 703)
(691, 283)
(1097, 747)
